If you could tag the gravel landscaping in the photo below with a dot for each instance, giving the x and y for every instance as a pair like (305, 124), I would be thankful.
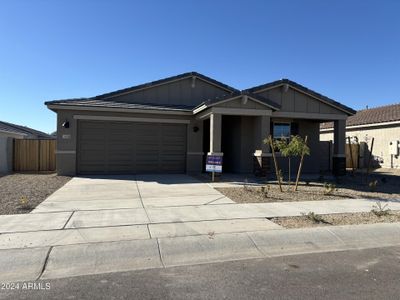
(386, 187)
(20, 193)
(337, 219)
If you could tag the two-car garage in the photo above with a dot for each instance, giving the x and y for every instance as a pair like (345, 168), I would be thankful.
(115, 147)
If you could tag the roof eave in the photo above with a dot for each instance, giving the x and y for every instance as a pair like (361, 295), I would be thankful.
(56, 107)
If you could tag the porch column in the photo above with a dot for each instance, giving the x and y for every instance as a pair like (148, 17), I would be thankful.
(215, 134)
(262, 155)
(339, 144)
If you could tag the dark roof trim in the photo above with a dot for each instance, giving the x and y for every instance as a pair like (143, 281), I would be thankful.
(305, 90)
(165, 81)
(132, 108)
(254, 97)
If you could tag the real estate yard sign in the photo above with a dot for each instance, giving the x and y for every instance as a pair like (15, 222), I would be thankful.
(214, 163)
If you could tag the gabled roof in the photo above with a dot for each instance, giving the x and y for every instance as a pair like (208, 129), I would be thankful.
(167, 80)
(254, 97)
(23, 130)
(302, 88)
(377, 115)
(105, 100)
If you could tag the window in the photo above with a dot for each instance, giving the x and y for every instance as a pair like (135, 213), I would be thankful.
(281, 130)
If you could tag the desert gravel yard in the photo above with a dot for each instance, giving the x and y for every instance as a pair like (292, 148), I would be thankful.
(386, 187)
(338, 219)
(20, 193)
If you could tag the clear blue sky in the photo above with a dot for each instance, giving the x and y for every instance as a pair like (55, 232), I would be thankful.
(347, 50)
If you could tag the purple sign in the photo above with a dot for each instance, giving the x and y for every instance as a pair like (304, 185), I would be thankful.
(214, 163)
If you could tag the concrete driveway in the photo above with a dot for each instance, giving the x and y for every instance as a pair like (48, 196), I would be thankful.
(119, 223)
(123, 192)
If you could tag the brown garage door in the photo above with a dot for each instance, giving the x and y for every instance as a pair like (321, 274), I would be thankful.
(106, 147)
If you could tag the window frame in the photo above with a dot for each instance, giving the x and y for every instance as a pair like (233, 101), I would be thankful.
(281, 137)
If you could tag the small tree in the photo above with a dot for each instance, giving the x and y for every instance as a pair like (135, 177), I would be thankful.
(295, 147)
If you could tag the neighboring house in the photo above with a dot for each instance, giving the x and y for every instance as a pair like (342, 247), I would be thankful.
(170, 125)
(382, 124)
(8, 132)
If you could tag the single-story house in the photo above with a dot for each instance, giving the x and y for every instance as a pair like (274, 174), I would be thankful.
(382, 124)
(8, 132)
(170, 125)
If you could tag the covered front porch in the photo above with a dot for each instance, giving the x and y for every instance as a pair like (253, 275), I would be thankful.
(236, 129)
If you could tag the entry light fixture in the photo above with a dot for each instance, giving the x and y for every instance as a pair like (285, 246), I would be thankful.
(65, 124)
(195, 128)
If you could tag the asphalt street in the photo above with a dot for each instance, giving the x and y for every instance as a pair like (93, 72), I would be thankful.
(356, 274)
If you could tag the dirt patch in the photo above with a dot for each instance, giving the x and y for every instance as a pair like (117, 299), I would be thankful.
(337, 219)
(385, 188)
(31, 189)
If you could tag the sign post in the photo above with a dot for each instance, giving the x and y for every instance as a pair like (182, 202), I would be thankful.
(214, 165)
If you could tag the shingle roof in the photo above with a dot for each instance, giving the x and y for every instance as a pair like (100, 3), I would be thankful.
(165, 80)
(18, 129)
(104, 99)
(92, 102)
(382, 114)
(303, 89)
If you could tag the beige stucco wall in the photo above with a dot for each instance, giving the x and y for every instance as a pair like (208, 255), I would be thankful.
(383, 135)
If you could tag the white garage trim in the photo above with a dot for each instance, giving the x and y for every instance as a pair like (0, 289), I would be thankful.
(130, 119)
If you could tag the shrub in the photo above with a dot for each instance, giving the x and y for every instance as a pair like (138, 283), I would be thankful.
(372, 185)
(24, 203)
(315, 218)
(265, 190)
(380, 210)
(329, 188)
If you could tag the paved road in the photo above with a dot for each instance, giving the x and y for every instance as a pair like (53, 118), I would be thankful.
(357, 274)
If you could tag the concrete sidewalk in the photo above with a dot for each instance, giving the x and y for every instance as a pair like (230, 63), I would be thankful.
(105, 257)
(110, 224)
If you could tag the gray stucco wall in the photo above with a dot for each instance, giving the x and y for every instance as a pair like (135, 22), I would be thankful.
(194, 159)
(312, 162)
(6, 154)
(67, 138)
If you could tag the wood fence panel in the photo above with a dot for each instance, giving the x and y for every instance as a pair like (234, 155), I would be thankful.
(34, 155)
(355, 150)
